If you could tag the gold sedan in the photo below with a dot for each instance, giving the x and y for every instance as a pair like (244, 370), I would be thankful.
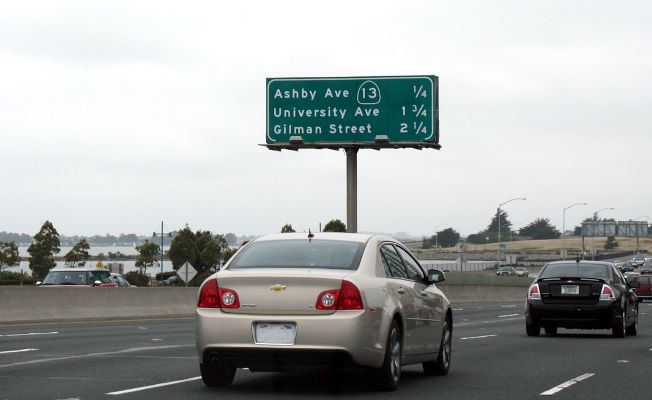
(300, 299)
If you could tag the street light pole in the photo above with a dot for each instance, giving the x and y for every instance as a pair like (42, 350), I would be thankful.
(500, 205)
(596, 218)
(162, 234)
(563, 229)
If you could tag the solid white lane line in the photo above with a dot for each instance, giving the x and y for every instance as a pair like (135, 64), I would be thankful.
(510, 306)
(29, 334)
(17, 351)
(566, 384)
(508, 315)
(477, 337)
(153, 386)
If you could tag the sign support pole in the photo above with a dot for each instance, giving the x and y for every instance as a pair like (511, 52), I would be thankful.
(351, 189)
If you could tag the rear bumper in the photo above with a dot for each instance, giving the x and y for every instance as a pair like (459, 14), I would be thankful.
(573, 316)
(344, 337)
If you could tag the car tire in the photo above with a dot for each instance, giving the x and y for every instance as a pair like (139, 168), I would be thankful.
(632, 330)
(216, 374)
(618, 327)
(532, 328)
(443, 362)
(550, 330)
(389, 375)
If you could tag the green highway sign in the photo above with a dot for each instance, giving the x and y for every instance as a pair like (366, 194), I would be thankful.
(373, 112)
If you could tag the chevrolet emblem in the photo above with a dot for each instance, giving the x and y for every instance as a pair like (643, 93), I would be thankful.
(277, 288)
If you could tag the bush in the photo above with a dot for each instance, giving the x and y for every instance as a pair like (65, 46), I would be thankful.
(13, 278)
(166, 275)
(137, 279)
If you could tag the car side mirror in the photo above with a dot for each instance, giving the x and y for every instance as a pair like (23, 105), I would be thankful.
(436, 276)
(634, 284)
(97, 283)
(38, 283)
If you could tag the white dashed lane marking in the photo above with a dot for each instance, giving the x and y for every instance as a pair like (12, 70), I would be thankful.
(29, 334)
(508, 315)
(566, 384)
(477, 337)
(17, 351)
(138, 389)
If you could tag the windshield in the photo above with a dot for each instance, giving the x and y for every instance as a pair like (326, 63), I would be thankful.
(331, 254)
(575, 270)
(66, 278)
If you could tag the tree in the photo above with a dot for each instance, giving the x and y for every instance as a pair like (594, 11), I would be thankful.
(42, 250)
(287, 228)
(505, 225)
(611, 243)
(335, 225)
(426, 243)
(231, 239)
(148, 254)
(540, 228)
(446, 238)
(78, 255)
(201, 249)
(9, 256)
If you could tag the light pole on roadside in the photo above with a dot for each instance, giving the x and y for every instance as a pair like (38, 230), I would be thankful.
(563, 228)
(437, 230)
(169, 234)
(595, 215)
(500, 205)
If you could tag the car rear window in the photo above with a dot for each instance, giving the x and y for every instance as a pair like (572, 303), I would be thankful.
(330, 254)
(575, 270)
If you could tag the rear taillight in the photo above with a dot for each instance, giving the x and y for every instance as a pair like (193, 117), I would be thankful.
(228, 298)
(607, 293)
(208, 295)
(533, 293)
(212, 296)
(347, 297)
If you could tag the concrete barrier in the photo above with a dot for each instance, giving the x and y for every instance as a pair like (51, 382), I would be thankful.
(43, 304)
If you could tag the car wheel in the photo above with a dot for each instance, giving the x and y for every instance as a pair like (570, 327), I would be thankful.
(632, 330)
(532, 328)
(216, 374)
(389, 375)
(443, 362)
(618, 328)
(550, 330)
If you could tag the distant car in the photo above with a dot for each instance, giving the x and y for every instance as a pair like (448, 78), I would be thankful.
(293, 300)
(505, 271)
(78, 277)
(638, 260)
(521, 271)
(627, 266)
(644, 292)
(174, 280)
(120, 280)
(581, 295)
(647, 267)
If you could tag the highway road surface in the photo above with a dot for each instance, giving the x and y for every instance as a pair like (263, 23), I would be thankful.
(492, 359)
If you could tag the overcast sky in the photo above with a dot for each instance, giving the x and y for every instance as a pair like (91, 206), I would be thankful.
(117, 115)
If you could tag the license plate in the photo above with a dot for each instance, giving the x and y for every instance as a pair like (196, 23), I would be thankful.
(570, 289)
(275, 332)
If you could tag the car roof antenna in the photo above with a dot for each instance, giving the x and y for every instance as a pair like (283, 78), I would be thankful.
(310, 235)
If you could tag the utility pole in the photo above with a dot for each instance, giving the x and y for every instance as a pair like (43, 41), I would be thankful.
(169, 234)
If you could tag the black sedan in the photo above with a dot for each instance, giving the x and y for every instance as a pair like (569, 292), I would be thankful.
(581, 295)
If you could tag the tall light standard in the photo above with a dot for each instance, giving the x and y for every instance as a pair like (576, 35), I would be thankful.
(169, 234)
(595, 214)
(563, 228)
(500, 205)
(437, 230)
(637, 232)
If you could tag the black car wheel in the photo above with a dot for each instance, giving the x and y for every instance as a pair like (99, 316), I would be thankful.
(618, 328)
(442, 364)
(532, 328)
(389, 374)
(632, 330)
(216, 374)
